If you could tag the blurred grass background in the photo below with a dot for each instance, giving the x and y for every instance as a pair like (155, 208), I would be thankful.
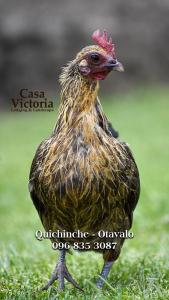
(142, 271)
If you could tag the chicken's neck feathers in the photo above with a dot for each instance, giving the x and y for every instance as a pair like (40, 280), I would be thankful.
(78, 97)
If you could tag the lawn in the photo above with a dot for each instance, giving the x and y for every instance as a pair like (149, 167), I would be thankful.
(142, 271)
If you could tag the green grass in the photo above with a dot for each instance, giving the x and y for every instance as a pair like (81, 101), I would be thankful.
(142, 271)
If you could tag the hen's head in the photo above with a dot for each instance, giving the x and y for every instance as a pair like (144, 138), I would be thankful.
(96, 62)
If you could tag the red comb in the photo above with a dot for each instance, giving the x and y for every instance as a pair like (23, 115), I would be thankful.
(103, 41)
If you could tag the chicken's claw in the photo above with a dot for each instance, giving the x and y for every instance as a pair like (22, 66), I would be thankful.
(60, 273)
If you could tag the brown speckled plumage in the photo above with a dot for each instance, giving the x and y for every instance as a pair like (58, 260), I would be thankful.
(83, 177)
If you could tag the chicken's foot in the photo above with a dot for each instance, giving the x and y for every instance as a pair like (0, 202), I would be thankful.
(60, 273)
(104, 273)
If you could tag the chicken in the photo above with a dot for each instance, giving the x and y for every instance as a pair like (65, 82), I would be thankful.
(82, 177)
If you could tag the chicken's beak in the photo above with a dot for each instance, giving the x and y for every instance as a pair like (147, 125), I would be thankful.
(115, 66)
(118, 67)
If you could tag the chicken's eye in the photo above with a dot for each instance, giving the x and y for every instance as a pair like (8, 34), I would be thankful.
(95, 57)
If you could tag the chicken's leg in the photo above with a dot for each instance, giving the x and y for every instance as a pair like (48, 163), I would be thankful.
(104, 273)
(61, 272)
